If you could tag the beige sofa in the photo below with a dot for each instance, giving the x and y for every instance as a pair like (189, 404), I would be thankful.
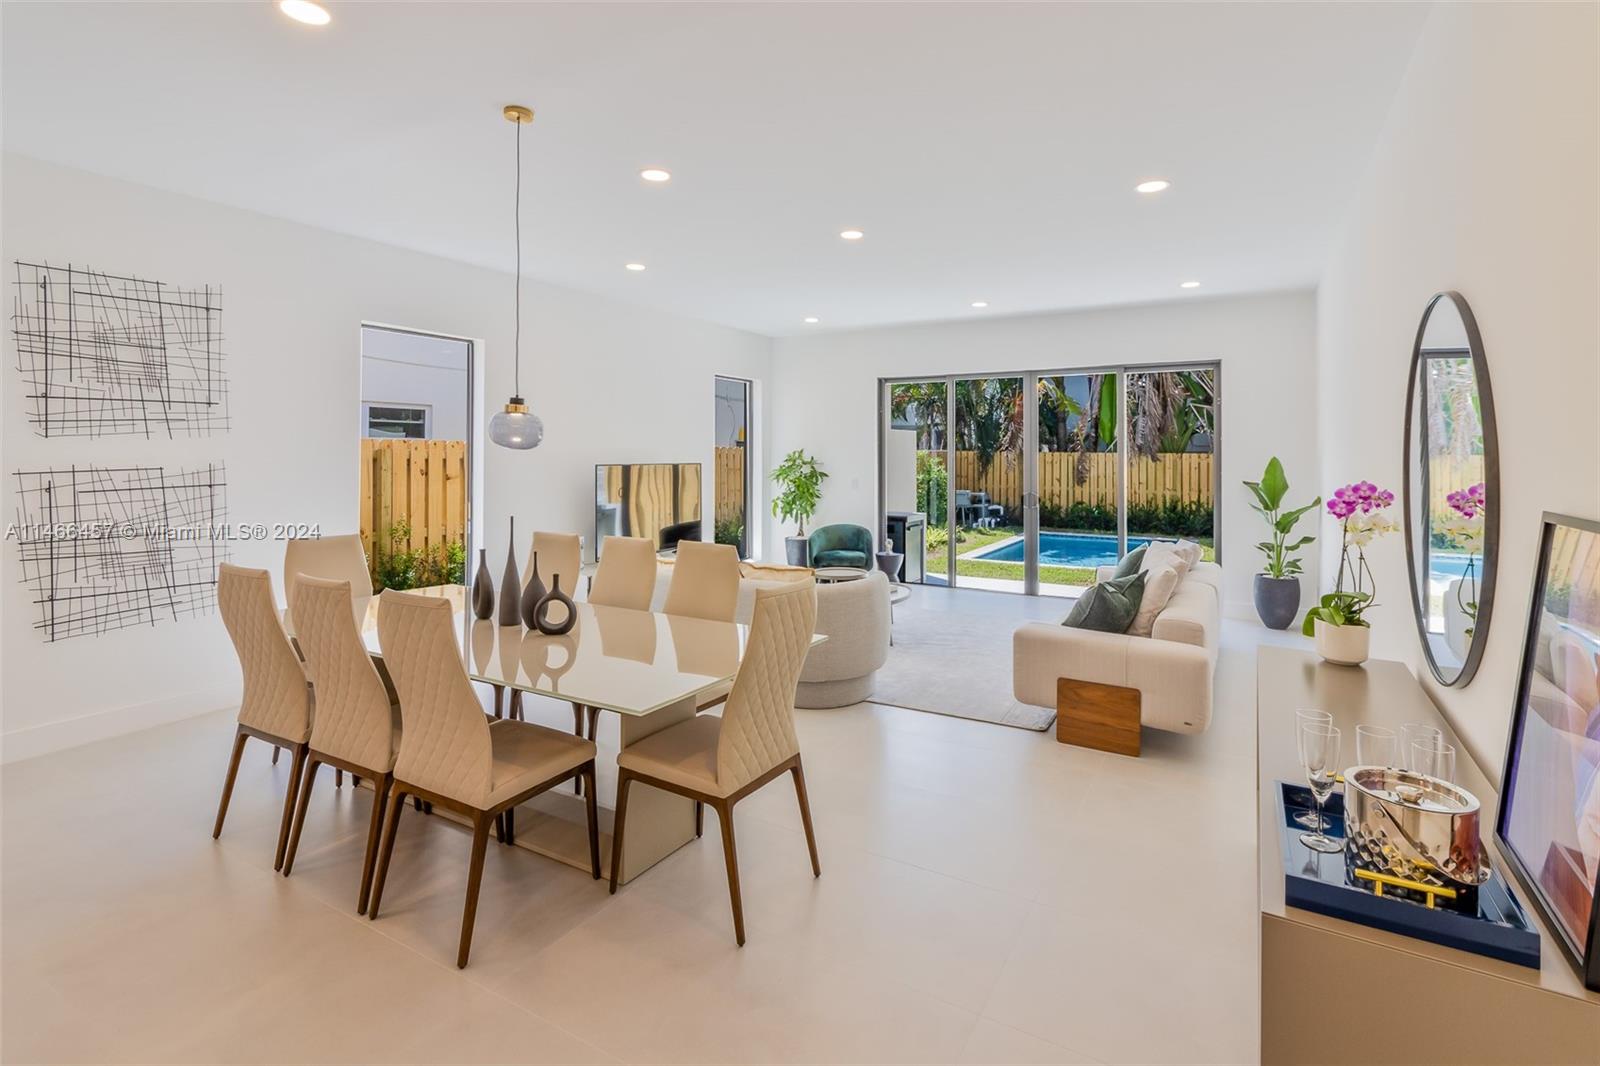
(1164, 680)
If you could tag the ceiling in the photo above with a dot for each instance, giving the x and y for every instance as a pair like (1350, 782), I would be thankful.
(988, 151)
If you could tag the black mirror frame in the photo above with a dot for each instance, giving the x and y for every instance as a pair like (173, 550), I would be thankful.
(1491, 478)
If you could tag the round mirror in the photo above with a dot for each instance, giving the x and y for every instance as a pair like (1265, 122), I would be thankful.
(1452, 489)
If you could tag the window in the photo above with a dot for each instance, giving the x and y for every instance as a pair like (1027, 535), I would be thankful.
(394, 420)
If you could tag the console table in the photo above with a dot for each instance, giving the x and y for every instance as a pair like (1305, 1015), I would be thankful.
(1334, 991)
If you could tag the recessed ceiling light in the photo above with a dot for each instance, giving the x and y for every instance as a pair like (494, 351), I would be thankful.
(635, 266)
(851, 234)
(305, 11)
(655, 174)
(811, 320)
(1188, 285)
(1155, 185)
(980, 303)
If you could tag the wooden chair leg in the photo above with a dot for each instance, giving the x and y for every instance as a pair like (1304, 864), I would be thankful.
(276, 751)
(624, 779)
(511, 825)
(591, 808)
(500, 828)
(577, 719)
(480, 844)
(239, 738)
(416, 801)
(699, 818)
(799, 776)
(297, 757)
(594, 721)
(338, 777)
(380, 796)
(731, 857)
(300, 814)
(391, 822)
(514, 712)
(499, 694)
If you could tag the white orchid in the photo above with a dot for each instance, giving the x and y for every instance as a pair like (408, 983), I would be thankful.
(1362, 528)
(1465, 533)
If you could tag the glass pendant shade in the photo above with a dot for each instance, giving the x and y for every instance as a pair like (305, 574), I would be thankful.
(516, 427)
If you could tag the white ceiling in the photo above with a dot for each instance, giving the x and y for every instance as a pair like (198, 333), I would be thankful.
(989, 151)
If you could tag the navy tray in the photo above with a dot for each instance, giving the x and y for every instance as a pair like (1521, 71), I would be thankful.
(1318, 882)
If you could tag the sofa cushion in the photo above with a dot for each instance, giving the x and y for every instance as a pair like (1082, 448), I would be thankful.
(1129, 564)
(1160, 583)
(1190, 617)
(1108, 606)
(840, 557)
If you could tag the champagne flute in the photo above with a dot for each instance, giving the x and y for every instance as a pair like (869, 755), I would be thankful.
(1310, 819)
(1319, 757)
(1434, 757)
(1377, 745)
(1410, 734)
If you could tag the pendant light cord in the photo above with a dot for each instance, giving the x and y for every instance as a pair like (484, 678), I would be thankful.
(516, 342)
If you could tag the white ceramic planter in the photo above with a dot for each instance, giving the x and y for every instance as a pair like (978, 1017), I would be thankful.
(1344, 645)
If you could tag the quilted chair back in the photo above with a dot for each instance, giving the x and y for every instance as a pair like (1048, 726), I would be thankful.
(276, 698)
(353, 719)
(338, 558)
(705, 581)
(626, 576)
(444, 739)
(558, 553)
(758, 723)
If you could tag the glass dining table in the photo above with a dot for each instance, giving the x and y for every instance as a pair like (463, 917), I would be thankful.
(649, 668)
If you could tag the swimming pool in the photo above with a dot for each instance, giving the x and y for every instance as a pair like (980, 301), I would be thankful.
(1061, 549)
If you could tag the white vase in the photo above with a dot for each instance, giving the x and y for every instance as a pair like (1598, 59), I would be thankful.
(1344, 645)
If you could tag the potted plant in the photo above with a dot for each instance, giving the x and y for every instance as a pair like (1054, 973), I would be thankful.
(1339, 624)
(1277, 587)
(799, 480)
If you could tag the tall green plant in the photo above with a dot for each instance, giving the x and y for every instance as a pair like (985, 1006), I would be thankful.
(799, 479)
(1269, 493)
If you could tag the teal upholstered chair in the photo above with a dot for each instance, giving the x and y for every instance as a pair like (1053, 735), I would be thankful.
(841, 545)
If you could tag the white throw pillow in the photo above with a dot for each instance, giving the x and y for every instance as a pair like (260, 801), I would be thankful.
(1190, 551)
(1159, 585)
(1166, 553)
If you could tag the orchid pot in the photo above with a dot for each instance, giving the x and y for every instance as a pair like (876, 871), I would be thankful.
(1343, 645)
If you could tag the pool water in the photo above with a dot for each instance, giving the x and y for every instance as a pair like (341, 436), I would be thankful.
(1062, 549)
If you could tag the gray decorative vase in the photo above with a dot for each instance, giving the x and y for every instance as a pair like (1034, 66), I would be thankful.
(1277, 600)
(483, 587)
(532, 593)
(798, 550)
(555, 598)
(510, 584)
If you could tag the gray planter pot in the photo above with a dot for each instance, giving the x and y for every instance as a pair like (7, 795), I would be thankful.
(798, 550)
(1277, 600)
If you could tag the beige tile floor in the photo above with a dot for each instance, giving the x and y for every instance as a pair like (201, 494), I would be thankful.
(987, 896)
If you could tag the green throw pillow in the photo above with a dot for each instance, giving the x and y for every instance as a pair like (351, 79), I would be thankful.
(1128, 565)
(1108, 606)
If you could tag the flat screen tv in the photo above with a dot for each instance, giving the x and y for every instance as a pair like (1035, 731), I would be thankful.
(656, 500)
(1548, 825)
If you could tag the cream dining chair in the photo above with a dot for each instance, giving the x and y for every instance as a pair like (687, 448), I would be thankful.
(556, 554)
(720, 760)
(276, 703)
(355, 727)
(626, 577)
(705, 584)
(453, 756)
(337, 558)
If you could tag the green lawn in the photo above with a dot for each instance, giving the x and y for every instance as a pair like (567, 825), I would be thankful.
(971, 540)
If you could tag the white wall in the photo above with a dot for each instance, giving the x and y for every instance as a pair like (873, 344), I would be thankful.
(1484, 181)
(613, 382)
(412, 368)
(828, 403)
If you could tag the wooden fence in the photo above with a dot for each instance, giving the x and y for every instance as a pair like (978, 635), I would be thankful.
(1446, 474)
(420, 482)
(1185, 477)
(730, 484)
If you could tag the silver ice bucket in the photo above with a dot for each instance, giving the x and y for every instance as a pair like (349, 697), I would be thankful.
(1413, 836)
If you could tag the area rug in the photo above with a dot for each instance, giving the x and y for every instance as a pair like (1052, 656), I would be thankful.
(952, 656)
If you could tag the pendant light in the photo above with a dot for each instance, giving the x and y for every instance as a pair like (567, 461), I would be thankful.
(517, 427)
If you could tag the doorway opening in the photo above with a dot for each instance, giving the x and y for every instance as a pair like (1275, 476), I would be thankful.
(416, 457)
(732, 471)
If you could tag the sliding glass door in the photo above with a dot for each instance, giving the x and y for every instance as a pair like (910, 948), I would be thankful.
(1029, 482)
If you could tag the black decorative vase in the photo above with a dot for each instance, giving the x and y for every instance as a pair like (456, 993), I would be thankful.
(532, 593)
(555, 598)
(483, 587)
(510, 584)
